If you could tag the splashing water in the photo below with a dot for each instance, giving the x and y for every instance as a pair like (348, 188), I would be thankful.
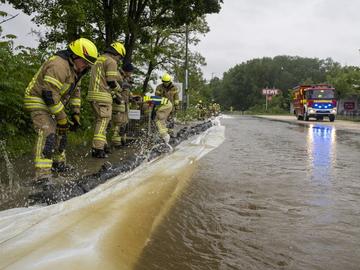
(9, 166)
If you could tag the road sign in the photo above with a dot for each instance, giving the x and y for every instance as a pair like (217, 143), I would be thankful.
(270, 92)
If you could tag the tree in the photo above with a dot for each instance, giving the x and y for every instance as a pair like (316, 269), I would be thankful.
(241, 85)
(346, 81)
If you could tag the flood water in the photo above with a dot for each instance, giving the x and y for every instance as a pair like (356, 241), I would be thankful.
(273, 196)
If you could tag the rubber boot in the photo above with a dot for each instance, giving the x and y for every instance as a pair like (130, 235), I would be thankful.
(98, 153)
(61, 167)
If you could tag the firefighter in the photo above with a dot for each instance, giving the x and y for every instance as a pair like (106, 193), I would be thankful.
(169, 90)
(200, 108)
(120, 115)
(104, 89)
(161, 110)
(53, 87)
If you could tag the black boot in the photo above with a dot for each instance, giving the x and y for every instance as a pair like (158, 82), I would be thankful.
(107, 149)
(61, 167)
(98, 153)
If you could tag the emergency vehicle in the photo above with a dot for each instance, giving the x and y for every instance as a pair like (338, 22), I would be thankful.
(316, 101)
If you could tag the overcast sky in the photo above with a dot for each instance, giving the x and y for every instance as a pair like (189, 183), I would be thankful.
(247, 29)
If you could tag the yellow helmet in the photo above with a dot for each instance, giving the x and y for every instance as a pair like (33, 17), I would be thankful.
(119, 48)
(85, 49)
(166, 78)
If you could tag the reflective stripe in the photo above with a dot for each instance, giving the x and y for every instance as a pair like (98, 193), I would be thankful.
(32, 82)
(116, 138)
(99, 137)
(32, 99)
(164, 101)
(111, 73)
(75, 101)
(100, 59)
(53, 81)
(36, 106)
(60, 157)
(97, 80)
(100, 96)
(103, 126)
(64, 88)
(31, 102)
(39, 144)
(57, 108)
(43, 163)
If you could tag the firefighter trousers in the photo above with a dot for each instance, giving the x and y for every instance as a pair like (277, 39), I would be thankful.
(162, 114)
(119, 121)
(102, 113)
(49, 147)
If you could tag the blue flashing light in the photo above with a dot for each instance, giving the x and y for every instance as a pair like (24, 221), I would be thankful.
(322, 105)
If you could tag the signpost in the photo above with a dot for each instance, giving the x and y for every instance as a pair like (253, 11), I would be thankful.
(268, 93)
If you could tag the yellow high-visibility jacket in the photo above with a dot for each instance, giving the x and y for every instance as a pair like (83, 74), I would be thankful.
(104, 70)
(59, 80)
(171, 92)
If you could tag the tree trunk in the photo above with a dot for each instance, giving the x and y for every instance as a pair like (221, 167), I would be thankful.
(147, 77)
(108, 6)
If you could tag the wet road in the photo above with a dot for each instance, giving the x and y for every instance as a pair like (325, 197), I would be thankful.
(274, 195)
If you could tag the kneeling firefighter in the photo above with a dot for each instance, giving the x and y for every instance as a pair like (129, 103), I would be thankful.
(161, 109)
(104, 88)
(52, 87)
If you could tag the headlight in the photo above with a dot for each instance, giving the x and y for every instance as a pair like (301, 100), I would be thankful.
(312, 111)
(333, 110)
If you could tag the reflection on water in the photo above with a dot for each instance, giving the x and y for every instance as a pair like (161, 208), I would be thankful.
(321, 149)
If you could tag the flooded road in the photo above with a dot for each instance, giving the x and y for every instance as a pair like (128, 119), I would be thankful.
(275, 195)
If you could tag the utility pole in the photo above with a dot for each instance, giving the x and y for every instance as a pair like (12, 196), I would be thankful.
(186, 84)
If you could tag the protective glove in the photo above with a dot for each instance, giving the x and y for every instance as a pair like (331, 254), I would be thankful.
(62, 127)
(75, 122)
(117, 99)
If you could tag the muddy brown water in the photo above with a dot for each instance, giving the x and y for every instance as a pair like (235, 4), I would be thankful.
(272, 196)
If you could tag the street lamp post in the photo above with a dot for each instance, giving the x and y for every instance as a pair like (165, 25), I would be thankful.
(186, 84)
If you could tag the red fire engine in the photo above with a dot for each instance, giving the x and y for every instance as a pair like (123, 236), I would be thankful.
(314, 101)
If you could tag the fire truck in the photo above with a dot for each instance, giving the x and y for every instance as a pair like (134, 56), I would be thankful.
(316, 101)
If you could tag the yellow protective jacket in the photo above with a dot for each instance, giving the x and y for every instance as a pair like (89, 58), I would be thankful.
(53, 86)
(104, 70)
(171, 92)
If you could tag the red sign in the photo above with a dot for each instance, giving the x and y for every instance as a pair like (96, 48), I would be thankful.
(270, 92)
(349, 105)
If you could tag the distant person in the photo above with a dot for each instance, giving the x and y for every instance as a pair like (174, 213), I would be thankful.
(169, 90)
(52, 87)
(161, 109)
(201, 110)
(103, 91)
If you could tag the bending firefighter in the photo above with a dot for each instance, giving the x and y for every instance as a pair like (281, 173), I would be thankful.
(161, 109)
(169, 90)
(50, 90)
(120, 114)
(104, 88)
